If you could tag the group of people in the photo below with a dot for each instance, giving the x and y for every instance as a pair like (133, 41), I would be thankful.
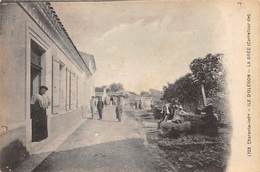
(171, 111)
(99, 106)
(40, 102)
(138, 104)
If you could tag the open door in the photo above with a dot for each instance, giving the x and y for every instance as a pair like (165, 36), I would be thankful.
(36, 75)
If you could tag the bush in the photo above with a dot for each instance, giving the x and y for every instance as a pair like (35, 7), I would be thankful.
(13, 155)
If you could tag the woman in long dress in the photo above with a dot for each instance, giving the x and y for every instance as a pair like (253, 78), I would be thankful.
(40, 103)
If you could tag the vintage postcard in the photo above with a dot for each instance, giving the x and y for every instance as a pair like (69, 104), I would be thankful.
(130, 86)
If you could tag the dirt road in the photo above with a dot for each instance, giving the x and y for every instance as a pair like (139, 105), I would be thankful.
(104, 146)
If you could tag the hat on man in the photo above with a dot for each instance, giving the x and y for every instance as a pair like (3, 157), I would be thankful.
(43, 86)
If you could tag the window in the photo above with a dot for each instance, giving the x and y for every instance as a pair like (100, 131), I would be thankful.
(57, 69)
(77, 93)
(62, 87)
(68, 92)
(71, 90)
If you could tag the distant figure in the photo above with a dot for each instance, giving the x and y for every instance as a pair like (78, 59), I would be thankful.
(92, 106)
(136, 105)
(39, 104)
(140, 104)
(170, 112)
(119, 109)
(106, 101)
(173, 108)
(100, 106)
(178, 110)
(111, 100)
(165, 112)
(114, 100)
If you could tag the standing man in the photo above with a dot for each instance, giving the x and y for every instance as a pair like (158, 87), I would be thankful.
(136, 104)
(111, 100)
(92, 106)
(39, 104)
(119, 109)
(100, 106)
(140, 104)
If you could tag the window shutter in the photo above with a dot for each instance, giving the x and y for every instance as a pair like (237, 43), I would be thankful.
(56, 87)
(67, 89)
(63, 88)
(73, 91)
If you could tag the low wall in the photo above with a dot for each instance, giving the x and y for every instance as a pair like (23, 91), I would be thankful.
(12, 148)
(18, 133)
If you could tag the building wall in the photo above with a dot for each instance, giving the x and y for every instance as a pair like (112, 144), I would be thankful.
(87, 90)
(17, 29)
(90, 90)
(13, 71)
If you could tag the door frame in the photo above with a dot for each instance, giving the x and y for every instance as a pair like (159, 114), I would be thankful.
(33, 33)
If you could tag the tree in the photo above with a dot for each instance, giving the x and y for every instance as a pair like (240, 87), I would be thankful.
(209, 73)
(184, 90)
(115, 87)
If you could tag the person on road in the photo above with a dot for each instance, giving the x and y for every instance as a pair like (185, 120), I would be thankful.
(136, 105)
(111, 100)
(100, 106)
(92, 106)
(119, 109)
(39, 104)
(140, 104)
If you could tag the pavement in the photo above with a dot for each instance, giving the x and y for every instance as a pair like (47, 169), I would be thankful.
(105, 146)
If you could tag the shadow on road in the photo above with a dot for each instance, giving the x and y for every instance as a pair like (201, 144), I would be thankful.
(125, 155)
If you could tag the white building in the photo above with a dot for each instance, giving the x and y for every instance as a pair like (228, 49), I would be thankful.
(36, 50)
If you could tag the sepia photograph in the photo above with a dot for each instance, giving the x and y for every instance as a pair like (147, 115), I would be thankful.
(129, 86)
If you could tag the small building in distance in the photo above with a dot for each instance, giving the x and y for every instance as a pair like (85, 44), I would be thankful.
(118, 95)
(146, 102)
(101, 92)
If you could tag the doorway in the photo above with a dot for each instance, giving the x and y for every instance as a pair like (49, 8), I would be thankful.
(37, 53)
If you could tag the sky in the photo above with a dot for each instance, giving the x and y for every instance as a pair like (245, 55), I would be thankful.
(143, 44)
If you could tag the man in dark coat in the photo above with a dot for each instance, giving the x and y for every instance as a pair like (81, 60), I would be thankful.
(119, 109)
(100, 106)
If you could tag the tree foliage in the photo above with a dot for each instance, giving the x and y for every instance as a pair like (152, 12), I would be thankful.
(115, 87)
(208, 71)
(183, 89)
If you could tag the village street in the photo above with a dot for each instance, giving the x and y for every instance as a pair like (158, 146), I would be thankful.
(105, 145)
